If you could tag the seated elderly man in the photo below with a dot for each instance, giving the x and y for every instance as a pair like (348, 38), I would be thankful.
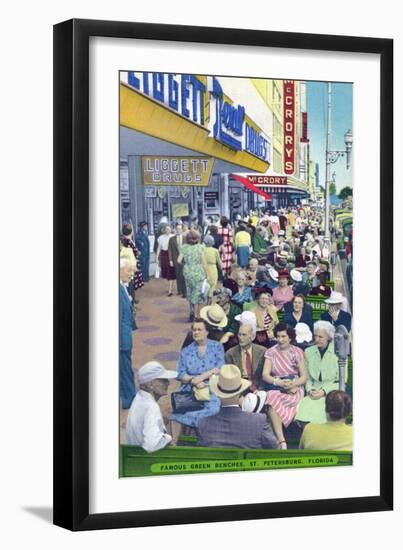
(233, 427)
(145, 426)
(248, 357)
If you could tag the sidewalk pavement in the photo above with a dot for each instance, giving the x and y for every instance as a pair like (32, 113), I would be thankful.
(163, 323)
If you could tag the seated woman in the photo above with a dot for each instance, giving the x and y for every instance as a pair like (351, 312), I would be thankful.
(285, 371)
(216, 320)
(334, 434)
(266, 317)
(309, 277)
(283, 293)
(244, 293)
(298, 311)
(197, 364)
(323, 374)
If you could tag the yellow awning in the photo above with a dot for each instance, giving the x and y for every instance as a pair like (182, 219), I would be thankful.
(143, 114)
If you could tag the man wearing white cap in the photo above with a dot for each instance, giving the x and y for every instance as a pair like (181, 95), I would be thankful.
(145, 426)
(233, 427)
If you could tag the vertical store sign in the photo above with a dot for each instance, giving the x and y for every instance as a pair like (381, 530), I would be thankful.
(289, 127)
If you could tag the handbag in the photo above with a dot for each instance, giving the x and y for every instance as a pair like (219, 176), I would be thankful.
(205, 287)
(268, 387)
(201, 394)
(183, 402)
(157, 271)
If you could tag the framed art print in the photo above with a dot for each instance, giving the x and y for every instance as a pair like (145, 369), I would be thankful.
(218, 311)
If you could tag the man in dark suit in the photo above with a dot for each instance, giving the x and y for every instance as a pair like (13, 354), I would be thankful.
(233, 427)
(248, 357)
(126, 326)
(174, 249)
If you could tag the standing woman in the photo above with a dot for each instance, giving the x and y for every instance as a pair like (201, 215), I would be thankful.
(212, 259)
(242, 244)
(284, 369)
(167, 271)
(194, 271)
(143, 246)
(127, 241)
(227, 247)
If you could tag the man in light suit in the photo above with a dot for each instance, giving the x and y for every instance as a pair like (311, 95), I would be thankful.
(233, 427)
(248, 357)
(126, 326)
(174, 249)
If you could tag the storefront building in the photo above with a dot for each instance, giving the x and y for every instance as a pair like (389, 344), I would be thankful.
(180, 138)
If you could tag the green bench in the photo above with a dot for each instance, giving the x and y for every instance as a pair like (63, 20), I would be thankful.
(135, 462)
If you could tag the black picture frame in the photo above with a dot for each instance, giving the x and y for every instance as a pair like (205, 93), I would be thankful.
(71, 273)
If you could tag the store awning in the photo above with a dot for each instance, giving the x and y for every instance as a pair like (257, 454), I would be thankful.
(251, 187)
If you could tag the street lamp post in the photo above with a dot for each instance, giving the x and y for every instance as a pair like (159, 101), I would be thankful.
(332, 156)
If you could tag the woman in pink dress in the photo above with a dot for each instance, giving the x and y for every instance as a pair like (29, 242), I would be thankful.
(226, 249)
(284, 292)
(285, 373)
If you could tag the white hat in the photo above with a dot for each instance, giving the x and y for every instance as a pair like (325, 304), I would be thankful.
(246, 318)
(229, 382)
(153, 370)
(254, 402)
(335, 298)
(281, 232)
(273, 273)
(303, 333)
(296, 275)
(275, 242)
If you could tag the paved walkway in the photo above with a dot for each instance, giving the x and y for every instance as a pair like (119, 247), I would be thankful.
(162, 326)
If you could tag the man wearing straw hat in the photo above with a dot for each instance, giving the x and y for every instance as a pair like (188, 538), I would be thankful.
(233, 427)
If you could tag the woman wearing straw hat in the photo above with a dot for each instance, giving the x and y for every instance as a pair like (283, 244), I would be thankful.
(197, 364)
(323, 374)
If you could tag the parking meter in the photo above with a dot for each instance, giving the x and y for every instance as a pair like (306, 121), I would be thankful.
(342, 350)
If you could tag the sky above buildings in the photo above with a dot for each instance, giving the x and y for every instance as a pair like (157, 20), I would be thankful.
(342, 110)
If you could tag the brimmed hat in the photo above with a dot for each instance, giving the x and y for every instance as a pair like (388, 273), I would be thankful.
(153, 370)
(246, 318)
(229, 382)
(274, 243)
(214, 315)
(283, 273)
(335, 298)
(303, 333)
(295, 275)
(254, 402)
(273, 273)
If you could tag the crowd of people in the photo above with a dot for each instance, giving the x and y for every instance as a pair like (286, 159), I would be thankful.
(255, 359)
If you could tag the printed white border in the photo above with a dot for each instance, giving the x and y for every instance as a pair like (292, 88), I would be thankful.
(108, 493)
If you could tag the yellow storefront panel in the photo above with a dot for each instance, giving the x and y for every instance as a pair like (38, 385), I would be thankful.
(141, 113)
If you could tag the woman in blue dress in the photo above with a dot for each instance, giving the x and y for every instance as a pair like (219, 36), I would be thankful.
(143, 245)
(198, 362)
